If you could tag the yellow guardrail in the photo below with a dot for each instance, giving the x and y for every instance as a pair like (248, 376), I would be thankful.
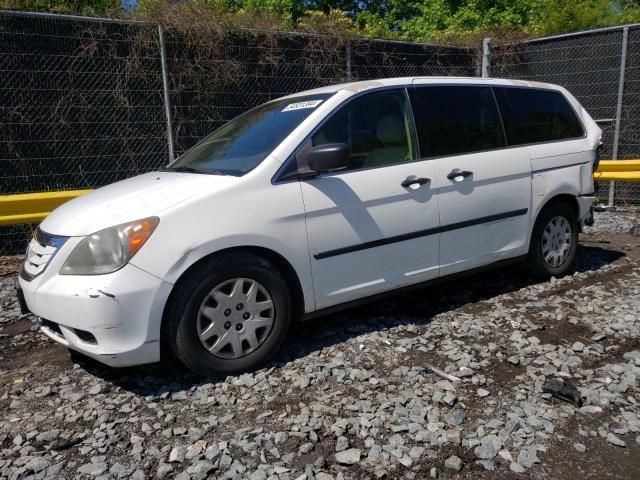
(618, 170)
(32, 207)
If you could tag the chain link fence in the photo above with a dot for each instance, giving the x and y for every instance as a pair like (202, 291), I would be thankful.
(602, 69)
(86, 102)
(213, 78)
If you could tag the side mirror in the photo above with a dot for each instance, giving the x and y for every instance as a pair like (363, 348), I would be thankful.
(332, 156)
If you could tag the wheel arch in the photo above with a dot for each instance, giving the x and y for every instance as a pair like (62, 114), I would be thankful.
(284, 267)
(536, 267)
(571, 200)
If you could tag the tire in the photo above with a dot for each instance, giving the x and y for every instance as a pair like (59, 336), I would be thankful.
(560, 263)
(193, 311)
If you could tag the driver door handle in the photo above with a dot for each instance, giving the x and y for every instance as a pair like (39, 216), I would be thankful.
(414, 181)
(455, 174)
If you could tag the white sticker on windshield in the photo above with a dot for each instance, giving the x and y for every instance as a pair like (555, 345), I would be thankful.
(302, 105)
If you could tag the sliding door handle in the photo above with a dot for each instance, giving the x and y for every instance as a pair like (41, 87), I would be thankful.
(459, 175)
(409, 181)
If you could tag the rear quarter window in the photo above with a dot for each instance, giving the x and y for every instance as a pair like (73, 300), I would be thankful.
(536, 115)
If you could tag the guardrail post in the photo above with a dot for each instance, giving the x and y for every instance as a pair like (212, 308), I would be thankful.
(165, 88)
(486, 58)
(616, 133)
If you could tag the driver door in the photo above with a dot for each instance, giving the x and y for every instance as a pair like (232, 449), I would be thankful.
(372, 226)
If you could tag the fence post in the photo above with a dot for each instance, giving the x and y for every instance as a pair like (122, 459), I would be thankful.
(616, 134)
(348, 59)
(486, 58)
(165, 87)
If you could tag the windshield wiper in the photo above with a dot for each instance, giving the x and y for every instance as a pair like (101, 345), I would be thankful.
(185, 169)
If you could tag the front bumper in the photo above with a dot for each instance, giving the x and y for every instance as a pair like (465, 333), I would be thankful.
(113, 318)
(585, 204)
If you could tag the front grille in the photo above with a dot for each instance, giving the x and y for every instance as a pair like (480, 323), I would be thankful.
(42, 248)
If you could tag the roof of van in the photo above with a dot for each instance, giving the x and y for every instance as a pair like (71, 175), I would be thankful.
(388, 82)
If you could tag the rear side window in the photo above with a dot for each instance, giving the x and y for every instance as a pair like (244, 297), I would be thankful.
(535, 115)
(452, 120)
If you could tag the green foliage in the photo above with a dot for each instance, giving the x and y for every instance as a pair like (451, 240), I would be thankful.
(334, 22)
(573, 15)
(76, 7)
(420, 20)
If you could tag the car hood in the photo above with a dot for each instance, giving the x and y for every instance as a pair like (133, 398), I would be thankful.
(132, 199)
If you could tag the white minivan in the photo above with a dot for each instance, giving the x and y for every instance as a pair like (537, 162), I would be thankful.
(309, 203)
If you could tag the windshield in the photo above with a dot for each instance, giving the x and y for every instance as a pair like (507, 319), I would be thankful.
(240, 145)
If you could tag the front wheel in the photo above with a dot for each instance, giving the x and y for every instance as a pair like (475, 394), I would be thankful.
(554, 241)
(230, 314)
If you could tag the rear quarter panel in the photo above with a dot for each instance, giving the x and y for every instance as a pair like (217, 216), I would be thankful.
(564, 167)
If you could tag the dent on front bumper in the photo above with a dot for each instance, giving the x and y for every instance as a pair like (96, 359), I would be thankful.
(113, 318)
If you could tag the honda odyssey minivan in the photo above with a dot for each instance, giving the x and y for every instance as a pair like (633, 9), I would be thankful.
(310, 203)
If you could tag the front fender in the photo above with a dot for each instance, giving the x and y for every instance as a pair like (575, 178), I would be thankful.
(297, 258)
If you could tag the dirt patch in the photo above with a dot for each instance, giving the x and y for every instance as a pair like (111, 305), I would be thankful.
(600, 459)
(17, 327)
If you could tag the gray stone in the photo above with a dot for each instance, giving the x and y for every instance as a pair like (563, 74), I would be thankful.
(281, 437)
(577, 347)
(54, 470)
(47, 437)
(305, 448)
(453, 463)
(323, 476)
(514, 359)
(416, 452)
(163, 470)
(489, 447)
(455, 418)
(481, 392)
(487, 464)
(95, 389)
(527, 457)
(348, 457)
(612, 439)
(177, 454)
(342, 444)
(36, 464)
(93, 469)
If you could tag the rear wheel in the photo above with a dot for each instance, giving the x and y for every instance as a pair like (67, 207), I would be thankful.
(554, 241)
(230, 315)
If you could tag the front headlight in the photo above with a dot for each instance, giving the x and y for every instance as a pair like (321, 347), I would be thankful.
(110, 249)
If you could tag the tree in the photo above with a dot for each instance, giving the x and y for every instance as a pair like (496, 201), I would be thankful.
(421, 20)
(76, 7)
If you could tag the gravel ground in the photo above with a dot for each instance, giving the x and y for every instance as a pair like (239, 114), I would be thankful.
(355, 395)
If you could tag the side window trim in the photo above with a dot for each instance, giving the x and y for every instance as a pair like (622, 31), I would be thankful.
(293, 170)
(412, 126)
(504, 130)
